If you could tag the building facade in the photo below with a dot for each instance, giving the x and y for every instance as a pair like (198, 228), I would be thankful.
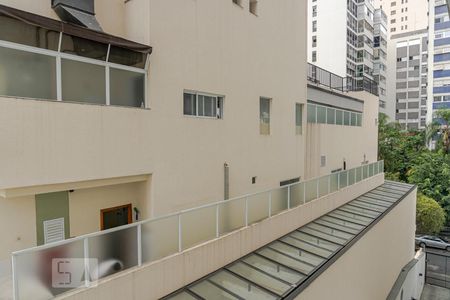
(175, 142)
(439, 45)
(409, 53)
(380, 56)
(405, 15)
(341, 40)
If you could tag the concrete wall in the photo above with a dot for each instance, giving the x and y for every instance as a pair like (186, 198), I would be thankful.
(162, 277)
(370, 267)
(353, 144)
(410, 285)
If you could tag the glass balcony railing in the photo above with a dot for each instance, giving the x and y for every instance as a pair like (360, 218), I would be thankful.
(107, 252)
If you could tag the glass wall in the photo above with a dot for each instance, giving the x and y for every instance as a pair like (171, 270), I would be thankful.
(333, 116)
(43, 64)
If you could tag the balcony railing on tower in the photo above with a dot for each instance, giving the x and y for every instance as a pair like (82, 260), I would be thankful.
(328, 79)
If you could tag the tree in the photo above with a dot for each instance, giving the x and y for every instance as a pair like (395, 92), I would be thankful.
(430, 217)
(430, 171)
(398, 148)
(440, 127)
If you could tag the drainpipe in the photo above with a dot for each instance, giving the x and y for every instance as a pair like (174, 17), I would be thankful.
(226, 181)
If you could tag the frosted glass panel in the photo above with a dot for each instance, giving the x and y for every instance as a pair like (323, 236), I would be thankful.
(279, 200)
(346, 118)
(311, 190)
(231, 215)
(343, 179)
(25, 74)
(351, 176)
(297, 194)
(159, 238)
(82, 82)
(321, 114)
(331, 115)
(111, 257)
(334, 182)
(258, 207)
(359, 174)
(198, 226)
(339, 117)
(311, 113)
(370, 170)
(353, 119)
(127, 88)
(323, 186)
(34, 271)
(365, 171)
(359, 120)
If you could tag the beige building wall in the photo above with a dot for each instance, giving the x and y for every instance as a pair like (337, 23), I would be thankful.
(355, 145)
(212, 46)
(85, 205)
(369, 269)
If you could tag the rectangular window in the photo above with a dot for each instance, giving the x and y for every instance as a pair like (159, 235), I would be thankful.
(264, 116)
(83, 82)
(312, 111)
(314, 56)
(314, 26)
(27, 74)
(127, 88)
(298, 118)
(202, 105)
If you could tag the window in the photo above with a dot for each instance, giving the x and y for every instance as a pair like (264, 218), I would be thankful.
(202, 105)
(314, 26)
(298, 118)
(314, 41)
(314, 56)
(33, 71)
(264, 116)
(254, 7)
(314, 11)
(27, 74)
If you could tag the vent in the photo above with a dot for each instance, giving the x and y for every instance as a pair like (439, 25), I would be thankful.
(79, 12)
(53, 230)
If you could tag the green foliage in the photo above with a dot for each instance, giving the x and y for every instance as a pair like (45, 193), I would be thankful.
(430, 216)
(398, 148)
(407, 159)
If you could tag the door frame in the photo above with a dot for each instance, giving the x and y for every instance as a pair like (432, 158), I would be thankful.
(102, 211)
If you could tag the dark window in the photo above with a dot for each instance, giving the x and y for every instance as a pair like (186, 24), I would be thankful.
(15, 31)
(83, 47)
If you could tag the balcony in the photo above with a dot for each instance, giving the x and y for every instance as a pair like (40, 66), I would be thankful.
(151, 240)
(322, 77)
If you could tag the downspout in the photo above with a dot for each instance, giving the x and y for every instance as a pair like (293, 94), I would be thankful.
(226, 181)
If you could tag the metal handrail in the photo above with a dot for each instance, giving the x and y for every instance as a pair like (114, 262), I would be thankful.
(376, 167)
(331, 80)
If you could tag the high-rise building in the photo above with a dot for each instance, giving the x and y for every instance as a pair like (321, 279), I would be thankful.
(380, 56)
(341, 39)
(439, 62)
(408, 81)
(405, 15)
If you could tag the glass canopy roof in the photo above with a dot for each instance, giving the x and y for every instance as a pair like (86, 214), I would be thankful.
(277, 269)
